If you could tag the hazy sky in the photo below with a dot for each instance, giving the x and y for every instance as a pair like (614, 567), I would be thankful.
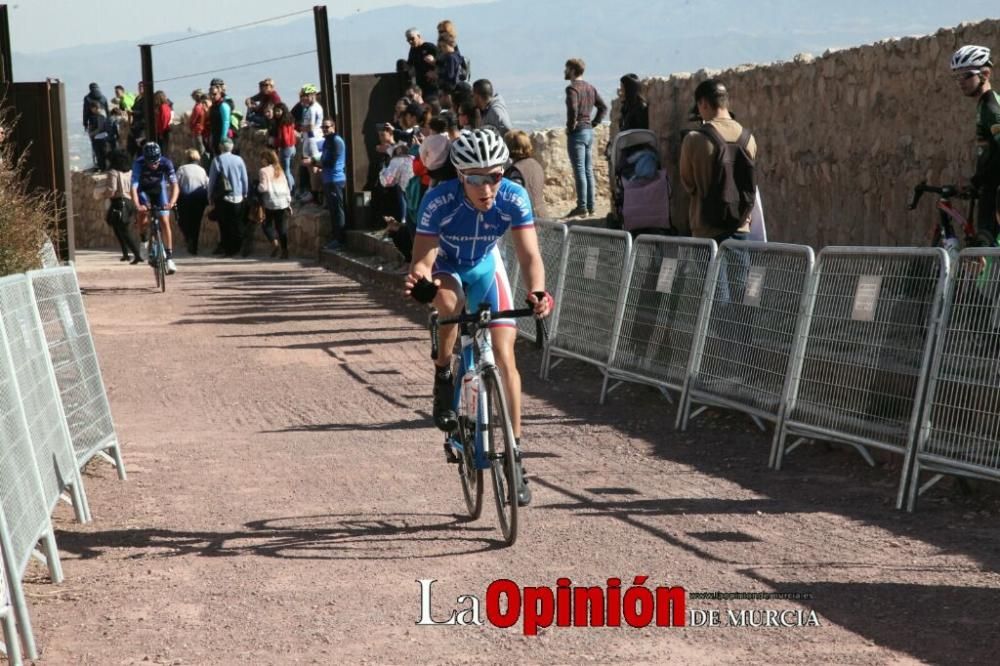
(45, 25)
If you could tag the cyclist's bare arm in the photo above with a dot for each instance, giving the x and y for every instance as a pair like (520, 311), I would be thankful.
(530, 258)
(425, 249)
(175, 191)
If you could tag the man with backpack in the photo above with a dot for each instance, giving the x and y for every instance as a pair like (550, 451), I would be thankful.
(717, 168)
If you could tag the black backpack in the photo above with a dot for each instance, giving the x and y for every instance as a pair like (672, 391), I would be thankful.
(733, 192)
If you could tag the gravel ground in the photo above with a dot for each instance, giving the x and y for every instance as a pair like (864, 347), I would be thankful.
(287, 491)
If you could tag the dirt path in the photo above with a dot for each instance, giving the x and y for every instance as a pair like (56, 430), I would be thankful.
(287, 491)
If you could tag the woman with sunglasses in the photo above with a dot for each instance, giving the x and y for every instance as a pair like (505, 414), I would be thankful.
(456, 261)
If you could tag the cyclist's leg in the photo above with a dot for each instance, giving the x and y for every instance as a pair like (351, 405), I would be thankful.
(168, 237)
(142, 217)
(986, 222)
(449, 301)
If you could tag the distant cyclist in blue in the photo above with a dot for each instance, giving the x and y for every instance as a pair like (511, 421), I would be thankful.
(154, 183)
(459, 224)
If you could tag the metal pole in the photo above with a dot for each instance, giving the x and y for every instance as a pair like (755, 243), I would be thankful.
(146, 55)
(6, 64)
(325, 63)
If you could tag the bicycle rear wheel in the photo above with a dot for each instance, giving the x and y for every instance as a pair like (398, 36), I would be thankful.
(500, 449)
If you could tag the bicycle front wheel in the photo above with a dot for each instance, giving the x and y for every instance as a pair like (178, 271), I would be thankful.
(500, 448)
(470, 474)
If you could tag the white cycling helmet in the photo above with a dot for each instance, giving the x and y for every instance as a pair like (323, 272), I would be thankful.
(478, 149)
(971, 57)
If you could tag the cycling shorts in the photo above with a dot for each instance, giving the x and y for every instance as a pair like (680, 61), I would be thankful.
(485, 282)
(158, 198)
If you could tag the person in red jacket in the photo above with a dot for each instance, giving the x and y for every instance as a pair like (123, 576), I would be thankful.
(164, 115)
(283, 137)
(198, 121)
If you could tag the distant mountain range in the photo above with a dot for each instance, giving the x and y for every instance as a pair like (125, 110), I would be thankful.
(520, 45)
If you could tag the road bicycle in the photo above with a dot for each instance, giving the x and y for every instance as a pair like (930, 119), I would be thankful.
(484, 438)
(943, 234)
(156, 251)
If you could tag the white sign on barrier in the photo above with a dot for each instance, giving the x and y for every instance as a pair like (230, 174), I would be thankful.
(668, 271)
(590, 265)
(755, 286)
(25, 333)
(866, 297)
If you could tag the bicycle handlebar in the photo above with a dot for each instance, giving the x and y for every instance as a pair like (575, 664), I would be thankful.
(481, 318)
(944, 191)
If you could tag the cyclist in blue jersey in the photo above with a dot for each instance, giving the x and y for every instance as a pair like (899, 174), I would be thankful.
(459, 224)
(154, 183)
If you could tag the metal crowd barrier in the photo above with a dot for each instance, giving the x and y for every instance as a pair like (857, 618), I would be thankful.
(24, 516)
(46, 423)
(551, 245)
(74, 361)
(742, 352)
(667, 296)
(859, 376)
(960, 426)
(590, 299)
(48, 255)
(11, 644)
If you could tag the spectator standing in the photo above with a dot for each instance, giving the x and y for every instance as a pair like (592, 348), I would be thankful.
(283, 136)
(121, 212)
(525, 170)
(198, 120)
(581, 100)
(469, 117)
(228, 186)
(308, 115)
(422, 60)
(92, 98)
(333, 161)
(219, 115)
(698, 163)
(450, 66)
(193, 199)
(164, 114)
(635, 109)
(137, 131)
(491, 106)
(100, 130)
(276, 197)
(123, 99)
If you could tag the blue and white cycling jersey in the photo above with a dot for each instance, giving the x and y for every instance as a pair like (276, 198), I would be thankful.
(152, 184)
(466, 234)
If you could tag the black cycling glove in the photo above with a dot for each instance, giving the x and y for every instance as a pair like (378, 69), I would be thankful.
(424, 290)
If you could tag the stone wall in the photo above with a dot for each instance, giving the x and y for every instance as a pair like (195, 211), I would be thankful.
(560, 188)
(844, 137)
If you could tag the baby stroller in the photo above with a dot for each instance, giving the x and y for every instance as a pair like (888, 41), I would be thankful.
(640, 185)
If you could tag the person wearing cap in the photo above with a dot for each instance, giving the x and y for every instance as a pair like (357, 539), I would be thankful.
(308, 116)
(698, 158)
(333, 161)
(219, 119)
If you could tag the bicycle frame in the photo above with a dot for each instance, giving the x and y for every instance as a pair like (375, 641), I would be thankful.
(476, 357)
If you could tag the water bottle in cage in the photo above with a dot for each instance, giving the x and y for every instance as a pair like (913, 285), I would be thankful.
(470, 393)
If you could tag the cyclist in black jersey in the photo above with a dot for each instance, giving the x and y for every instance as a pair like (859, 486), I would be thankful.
(972, 68)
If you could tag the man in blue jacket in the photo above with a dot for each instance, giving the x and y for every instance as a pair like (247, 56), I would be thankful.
(333, 160)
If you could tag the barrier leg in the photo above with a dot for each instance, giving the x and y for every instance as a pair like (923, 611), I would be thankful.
(10, 639)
